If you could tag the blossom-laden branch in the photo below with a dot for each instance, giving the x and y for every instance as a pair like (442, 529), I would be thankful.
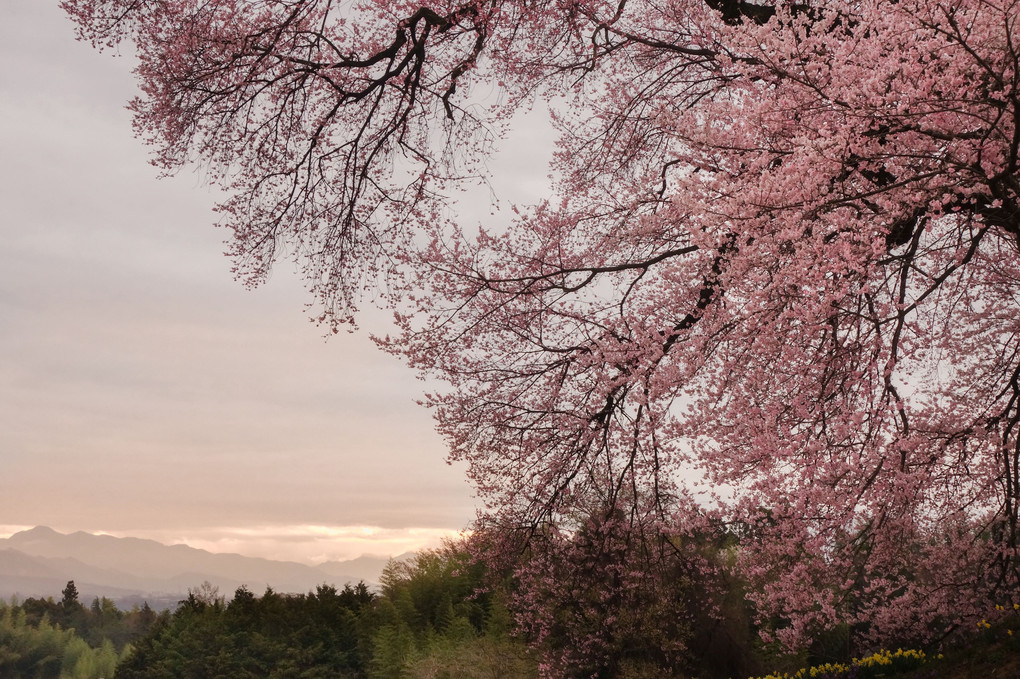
(783, 259)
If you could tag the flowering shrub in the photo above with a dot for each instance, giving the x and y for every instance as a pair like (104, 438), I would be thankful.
(1005, 620)
(1001, 624)
(877, 664)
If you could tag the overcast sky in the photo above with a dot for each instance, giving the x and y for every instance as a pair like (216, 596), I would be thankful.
(143, 391)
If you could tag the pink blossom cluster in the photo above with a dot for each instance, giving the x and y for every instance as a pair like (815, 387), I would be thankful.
(779, 284)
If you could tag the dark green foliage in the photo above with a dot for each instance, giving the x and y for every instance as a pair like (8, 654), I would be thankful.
(69, 600)
(37, 610)
(276, 636)
(433, 618)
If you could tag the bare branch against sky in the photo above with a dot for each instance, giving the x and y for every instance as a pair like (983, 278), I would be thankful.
(142, 391)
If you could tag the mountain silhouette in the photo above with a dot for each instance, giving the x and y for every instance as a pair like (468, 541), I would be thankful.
(39, 562)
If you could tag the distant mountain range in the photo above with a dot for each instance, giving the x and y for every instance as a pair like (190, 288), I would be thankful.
(40, 561)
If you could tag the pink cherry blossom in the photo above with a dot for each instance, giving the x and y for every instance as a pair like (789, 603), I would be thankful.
(778, 289)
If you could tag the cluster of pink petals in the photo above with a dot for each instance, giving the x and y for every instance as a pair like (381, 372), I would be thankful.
(778, 289)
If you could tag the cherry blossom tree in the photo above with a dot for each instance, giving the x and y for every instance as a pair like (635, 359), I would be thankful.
(778, 288)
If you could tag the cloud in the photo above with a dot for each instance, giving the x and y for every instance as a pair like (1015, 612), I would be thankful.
(306, 543)
(142, 390)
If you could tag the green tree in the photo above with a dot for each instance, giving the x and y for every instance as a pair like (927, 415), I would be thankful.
(72, 613)
(69, 594)
(277, 636)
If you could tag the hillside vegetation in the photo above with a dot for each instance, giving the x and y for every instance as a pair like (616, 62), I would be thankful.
(438, 615)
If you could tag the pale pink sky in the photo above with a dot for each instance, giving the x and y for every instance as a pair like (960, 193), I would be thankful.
(142, 391)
